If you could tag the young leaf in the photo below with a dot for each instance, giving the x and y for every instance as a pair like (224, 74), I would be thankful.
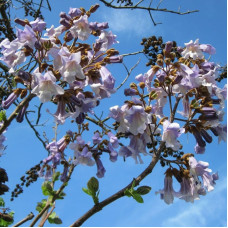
(93, 184)
(87, 191)
(41, 205)
(3, 115)
(138, 198)
(54, 219)
(143, 190)
(47, 189)
(56, 176)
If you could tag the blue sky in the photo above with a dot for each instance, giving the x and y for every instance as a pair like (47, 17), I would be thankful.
(23, 151)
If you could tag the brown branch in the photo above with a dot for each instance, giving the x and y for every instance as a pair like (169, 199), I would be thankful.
(34, 129)
(47, 216)
(99, 206)
(109, 4)
(27, 218)
(15, 112)
(128, 73)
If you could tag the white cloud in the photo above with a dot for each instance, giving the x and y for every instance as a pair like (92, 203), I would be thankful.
(134, 22)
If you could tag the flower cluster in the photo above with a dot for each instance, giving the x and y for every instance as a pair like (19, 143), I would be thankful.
(65, 70)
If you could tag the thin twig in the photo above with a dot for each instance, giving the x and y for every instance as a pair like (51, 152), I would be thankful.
(45, 219)
(27, 218)
(128, 73)
(35, 131)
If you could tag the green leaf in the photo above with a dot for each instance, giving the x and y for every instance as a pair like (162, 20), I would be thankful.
(2, 202)
(93, 184)
(127, 193)
(138, 198)
(143, 190)
(47, 189)
(3, 115)
(56, 176)
(195, 104)
(54, 219)
(87, 191)
(61, 195)
(41, 205)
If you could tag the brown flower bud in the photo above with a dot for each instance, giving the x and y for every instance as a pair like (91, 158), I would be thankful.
(148, 109)
(160, 62)
(18, 80)
(160, 56)
(167, 61)
(23, 93)
(142, 85)
(133, 85)
(94, 8)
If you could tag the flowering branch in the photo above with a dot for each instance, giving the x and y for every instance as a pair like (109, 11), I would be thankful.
(13, 115)
(99, 206)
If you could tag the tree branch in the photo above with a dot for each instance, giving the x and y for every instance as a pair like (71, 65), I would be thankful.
(99, 206)
(28, 217)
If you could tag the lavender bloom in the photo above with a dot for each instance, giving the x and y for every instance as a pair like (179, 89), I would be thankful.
(20, 21)
(171, 131)
(113, 140)
(96, 138)
(222, 132)
(137, 119)
(130, 92)
(38, 25)
(65, 22)
(199, 149)
(167, 193)
(193, 50)
(48, 174)
(46, 87)
(27, 36)
(81, 28)
(107, 79)
(114, 59)
(74, 12)
(11, 98)
(168, 46)
(63, 176)
(80, 118)
(107, 39)
(20, 116)
(64, 15)
(201, 169)
(100, 168)
(208, 49)
(2, 139)
(125, 152)
(98, 26)
(112, 153)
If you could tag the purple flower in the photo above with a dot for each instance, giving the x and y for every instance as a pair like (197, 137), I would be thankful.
(171, 131)
(38, 25)
(200, 168)
(112, 153)
(26, 36)
(46, 87)
(199, 149)
(20, 116)
(137, 119)
(113, 140)
(98, 26)
(96, 138)
(107, 79)
(11, 98)
(167, 193)
(63, 176)
(74, 12)
(81, 28)
(107, 39)
(100, 168)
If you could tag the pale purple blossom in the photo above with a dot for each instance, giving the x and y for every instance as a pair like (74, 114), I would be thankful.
(38, 25)
(46, 87)
(171, 131)
(81, 28)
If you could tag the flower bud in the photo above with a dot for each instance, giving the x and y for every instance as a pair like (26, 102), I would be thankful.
(142, 85)
(160, 62)
(148, 109)
(94, 8)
